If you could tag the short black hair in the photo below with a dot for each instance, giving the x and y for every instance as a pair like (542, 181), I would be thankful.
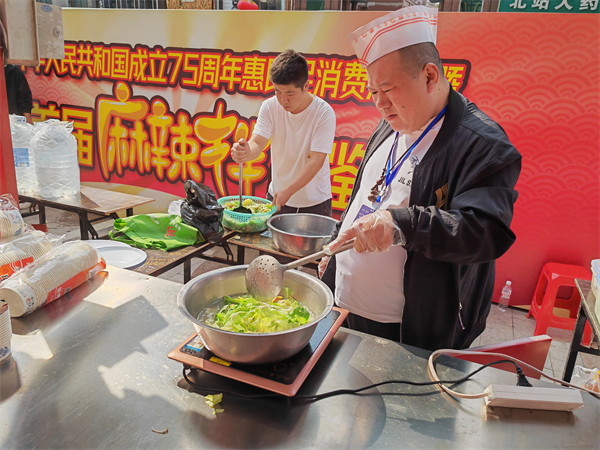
(415, 57)
(290, 67)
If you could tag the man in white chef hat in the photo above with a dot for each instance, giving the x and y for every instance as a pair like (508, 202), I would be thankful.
(433, 199)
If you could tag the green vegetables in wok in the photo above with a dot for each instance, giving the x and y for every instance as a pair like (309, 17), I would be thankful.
(244, 314)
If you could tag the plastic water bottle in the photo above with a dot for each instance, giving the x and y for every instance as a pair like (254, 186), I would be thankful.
(505, 297)
(21, 133)
(56, 159)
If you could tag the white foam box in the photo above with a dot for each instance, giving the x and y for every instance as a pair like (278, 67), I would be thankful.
(550, 399)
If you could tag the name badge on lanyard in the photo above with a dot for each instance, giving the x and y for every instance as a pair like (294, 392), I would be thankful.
(363, 211)
(391, 168)
(379, 192)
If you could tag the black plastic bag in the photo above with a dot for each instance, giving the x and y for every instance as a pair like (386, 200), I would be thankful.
(200, 209)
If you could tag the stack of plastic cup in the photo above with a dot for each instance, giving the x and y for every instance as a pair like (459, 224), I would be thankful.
(5, 331)
(11, 223)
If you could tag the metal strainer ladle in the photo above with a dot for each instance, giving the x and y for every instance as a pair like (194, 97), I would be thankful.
(264, 276)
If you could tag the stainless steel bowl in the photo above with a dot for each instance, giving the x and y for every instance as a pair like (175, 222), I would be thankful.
(301, 234)
(257, 348)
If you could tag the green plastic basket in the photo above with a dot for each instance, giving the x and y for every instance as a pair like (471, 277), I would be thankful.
(245, 223)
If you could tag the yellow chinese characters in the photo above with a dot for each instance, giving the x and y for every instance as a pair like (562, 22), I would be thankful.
(160, 122)
(184, 160)
(332, 77)
(344, 161)
(136, 134)
(456, 75)
(113, 148)
(254, 171)
(213, 130)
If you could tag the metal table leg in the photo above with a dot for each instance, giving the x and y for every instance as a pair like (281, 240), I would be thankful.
(187, 271)
(241, 254)
(83, 226)
(228, 252)
(86, 226)
(575, 345)
(42, 214)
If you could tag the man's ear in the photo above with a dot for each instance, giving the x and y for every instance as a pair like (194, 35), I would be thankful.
(432, 76)
(306, 86)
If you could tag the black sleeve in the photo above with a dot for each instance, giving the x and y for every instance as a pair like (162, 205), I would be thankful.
(24, 100)
(476, 226)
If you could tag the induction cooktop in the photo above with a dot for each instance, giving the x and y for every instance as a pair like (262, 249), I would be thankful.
(284, 377)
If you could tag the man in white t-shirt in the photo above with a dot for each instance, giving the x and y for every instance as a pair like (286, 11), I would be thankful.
(301, 127)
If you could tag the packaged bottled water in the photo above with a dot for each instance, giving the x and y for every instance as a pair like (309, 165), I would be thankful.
(21, 134)
(505, 297)
(56, 159)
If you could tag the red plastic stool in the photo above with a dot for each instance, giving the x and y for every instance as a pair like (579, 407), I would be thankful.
(41, 227)
(544, 299)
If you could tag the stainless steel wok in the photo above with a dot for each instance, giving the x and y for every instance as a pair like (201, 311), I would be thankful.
(247, 348)
(301, 234)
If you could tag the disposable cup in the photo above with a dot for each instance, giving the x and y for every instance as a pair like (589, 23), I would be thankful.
(5, 337)
(5, 324)
(5, 331)
(4, 350)
(4, 320)
(4, 311)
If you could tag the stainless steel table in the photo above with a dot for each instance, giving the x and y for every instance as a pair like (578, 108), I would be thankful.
(91, 371)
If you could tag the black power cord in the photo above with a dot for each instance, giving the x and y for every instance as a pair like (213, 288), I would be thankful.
(521, 379)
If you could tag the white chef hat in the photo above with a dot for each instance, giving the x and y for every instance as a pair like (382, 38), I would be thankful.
(396, 30)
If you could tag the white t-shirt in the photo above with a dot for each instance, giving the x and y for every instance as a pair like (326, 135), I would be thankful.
(371, 284)
(293, 138)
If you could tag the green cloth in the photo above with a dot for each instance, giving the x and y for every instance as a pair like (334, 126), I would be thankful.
(161, 231)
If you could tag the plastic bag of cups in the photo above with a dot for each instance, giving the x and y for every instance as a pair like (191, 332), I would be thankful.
(11, 221)
(24, 250)
(51, 276)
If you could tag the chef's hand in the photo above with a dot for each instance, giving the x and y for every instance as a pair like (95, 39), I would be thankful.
(239, 151)
(373, 233)
(281, 198)
(323, 265)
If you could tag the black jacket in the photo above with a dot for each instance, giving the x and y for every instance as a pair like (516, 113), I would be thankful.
(457, 224)
(17, 91)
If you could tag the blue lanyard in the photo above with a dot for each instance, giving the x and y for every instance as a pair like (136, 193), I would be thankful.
(391, 172)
